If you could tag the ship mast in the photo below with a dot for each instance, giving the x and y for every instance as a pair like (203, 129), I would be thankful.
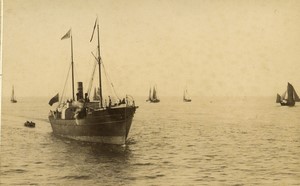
(67, 36)
(99, 63)
(72, 62)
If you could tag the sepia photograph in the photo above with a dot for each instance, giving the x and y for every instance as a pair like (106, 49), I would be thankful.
(150, 92)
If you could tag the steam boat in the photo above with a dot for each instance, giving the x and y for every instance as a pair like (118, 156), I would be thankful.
(96, 120)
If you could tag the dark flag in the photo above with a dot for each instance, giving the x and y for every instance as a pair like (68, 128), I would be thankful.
(54, 99)
(67, 35)
(94, 29)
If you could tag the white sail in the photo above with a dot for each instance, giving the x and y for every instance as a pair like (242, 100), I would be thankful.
(186, 96)
(283, 96)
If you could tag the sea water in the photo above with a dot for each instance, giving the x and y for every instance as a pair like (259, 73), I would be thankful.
(209, 141)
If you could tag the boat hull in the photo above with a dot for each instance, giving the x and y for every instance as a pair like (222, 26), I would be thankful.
(110, 126)
(154, 100)
(290, 104)
(29, 124)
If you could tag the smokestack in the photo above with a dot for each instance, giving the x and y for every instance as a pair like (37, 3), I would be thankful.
(79, 91)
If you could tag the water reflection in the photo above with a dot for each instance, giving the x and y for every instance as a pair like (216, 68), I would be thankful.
(91, 161)
(95, 149)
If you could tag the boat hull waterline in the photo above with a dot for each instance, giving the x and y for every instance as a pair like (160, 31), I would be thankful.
(108, 126)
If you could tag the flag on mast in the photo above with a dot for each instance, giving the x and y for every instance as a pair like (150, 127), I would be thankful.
(94, 29)
(54, 99)
(67, 35)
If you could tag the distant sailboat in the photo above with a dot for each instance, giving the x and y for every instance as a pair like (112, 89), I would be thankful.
(96, 96)
(13, 99)
(291, 98)
(186, 97)
(153, 97)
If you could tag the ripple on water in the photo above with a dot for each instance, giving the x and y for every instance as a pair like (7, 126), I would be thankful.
(76, 177)
(143, 164)
(12, 171)
(215, 144)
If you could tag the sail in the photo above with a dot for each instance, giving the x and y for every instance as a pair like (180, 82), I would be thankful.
(296, 97)
(149, 94)
(95, 94)
(283, 96)
(13, 99)
(290, 93)
(278, 99)
(12, 94)
(154, 93)
(187, 94)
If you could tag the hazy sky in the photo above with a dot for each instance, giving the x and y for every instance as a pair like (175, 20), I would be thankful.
(215, 47)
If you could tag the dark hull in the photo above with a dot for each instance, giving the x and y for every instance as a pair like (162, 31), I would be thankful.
(109, 126)
(30, 125)
(187, 100)
(154, 100)
(287, 104)
(13, 101)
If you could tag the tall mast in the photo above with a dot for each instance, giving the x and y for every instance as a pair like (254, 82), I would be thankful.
(99, 63)
(72, 62)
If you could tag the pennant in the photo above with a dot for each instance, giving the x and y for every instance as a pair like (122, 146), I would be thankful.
(54, 99)
(94, 29)
(67, 35)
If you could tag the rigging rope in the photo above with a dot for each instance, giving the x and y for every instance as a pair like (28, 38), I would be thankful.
(64, 86)
(109, 80)
(92, 78)
(106, 75)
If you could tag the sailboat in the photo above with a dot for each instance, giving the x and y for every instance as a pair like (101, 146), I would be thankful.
(13, 99)
(92, 121)
(186, 97)
(289, 97)
(96, 94)
(153, 97)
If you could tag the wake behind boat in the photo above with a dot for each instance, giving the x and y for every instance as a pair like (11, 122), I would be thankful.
(289, 97)
(92, 121)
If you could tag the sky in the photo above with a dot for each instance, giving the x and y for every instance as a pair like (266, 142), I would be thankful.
(212, 47)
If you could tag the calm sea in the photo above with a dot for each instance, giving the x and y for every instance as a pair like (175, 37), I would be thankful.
(210, 141)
